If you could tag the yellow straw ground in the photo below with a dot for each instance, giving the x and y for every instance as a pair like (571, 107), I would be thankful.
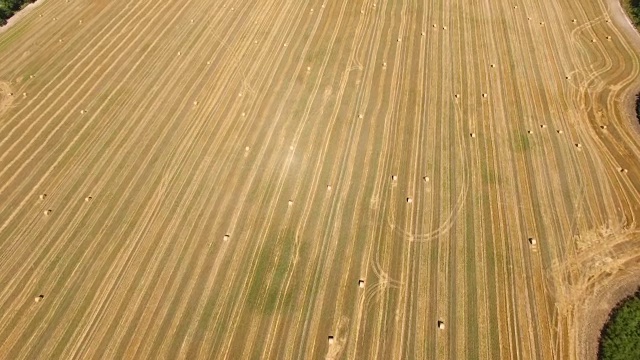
(306, 178)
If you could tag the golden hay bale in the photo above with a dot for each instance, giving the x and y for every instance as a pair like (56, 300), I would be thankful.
(42, 196)
(394, 177)
(426, 179)
(409, 200)
(559, 131)
(603, 127)
(39, 298)
(532, 241)
(473, 135)
(440, 324)
(331, 340)
(226, 237)
(328, 187)
(290, 202)
(47, 212)
(88, 198)
(361, 283)
(543, 126)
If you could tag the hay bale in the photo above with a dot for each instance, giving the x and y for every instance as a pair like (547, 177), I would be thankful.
(409, 200)
(360, 116)
(493, 65)
(243, 114)
(603, 127)
(529, 132)
(473, 135)
(226, 237)
(82, 112)
(47, 212)
(195, 102)
(285, 44)
(88, 198)
(485, 95)
(456, 96)
(394, 177)
(399, 40)
(578, 145)
(361, 283)
(290, 202)
(328, 187)
(574, 21)
(440, 324)
(331, 340)
(426, 179)
(39, 298)
(593, 40)
(444, 28)
(179, 53)
(532, 241)
(559, 131)
(543, 126)
(423, 33)
(568, 77)
(42, 196)
(608, 37)
(308, 68)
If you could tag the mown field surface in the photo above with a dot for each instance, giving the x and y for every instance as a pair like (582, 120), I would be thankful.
(155, 128)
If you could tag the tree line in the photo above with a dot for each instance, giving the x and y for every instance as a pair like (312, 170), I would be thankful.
(633, 9)
(620, 338)
(10, 7)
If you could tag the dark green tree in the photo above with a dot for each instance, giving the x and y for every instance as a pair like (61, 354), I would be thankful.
(620, 339)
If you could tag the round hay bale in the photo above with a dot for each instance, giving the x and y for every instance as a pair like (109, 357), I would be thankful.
(532, 241)
(361, 11)
(361, 284)
(394, 177)
(409, 200)
(179, 53)
(290, 202)
(473, 135)
(285, 44)
(331, 337)
(208, 62)
(82, 112)
(328, 187)
(291, 147)
(244, 114)
(39, 298)
(593, 40)
(568, 77)
(456, 96)
(440, 324)
(578, 145)
(24, 94)
(423, 33)
(246, 148)
(226, 237)
(360, 116)
(88, 198)
(603, 127)
(384, 64)
(308, 68)
(195, 102)
(42, 196)
(444, 28)
(608, 37)
(434, 25)
(529, 132)
(47, 212)
(543, 126)
(574, 21)
(559, 131)
(399, 40)
(493, 65)
(485, 95)
(426, 179)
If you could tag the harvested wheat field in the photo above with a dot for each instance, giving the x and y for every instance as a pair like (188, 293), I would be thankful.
(289, 179)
